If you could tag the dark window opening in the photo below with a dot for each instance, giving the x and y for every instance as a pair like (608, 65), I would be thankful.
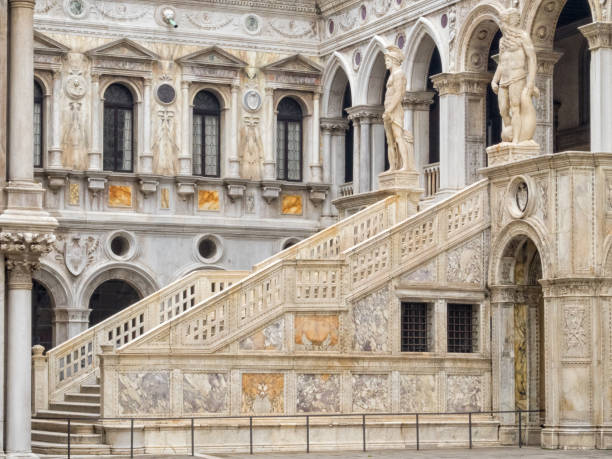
(387, 75)
(206, 135)
(348, 137)
(493, 117)
(118, 129)
(42, 316)
(460, 328)
(289, 140)
(38, 125)
(415, 325)
(207, 248)
(435, 68)
(109, 298)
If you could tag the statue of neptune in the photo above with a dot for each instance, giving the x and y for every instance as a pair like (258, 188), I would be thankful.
(400, 141)
(514, 81)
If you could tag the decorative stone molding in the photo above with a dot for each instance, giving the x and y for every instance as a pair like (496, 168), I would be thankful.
(213, 65)
(334, 125)
(122, 57)
(270, 191)
(418, 100)
(461, 83)
(48, 53)
(294, 72)
(366, 112)
(598, 34)
(23, 252)
(547, 60)
(235, 188)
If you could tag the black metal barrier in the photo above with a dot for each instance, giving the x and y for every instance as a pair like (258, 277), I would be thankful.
(307, 417)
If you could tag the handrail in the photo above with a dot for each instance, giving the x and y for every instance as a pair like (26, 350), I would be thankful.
(306, 418)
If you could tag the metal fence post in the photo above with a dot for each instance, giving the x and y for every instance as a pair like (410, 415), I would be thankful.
(251, 433)
(68, 438)
(363, 427)
(307, 434)
(132, 437)
(417, 431)
(519, 429)
(470, 422)
(192, 439)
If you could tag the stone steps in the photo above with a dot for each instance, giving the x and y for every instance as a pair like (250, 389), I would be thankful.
(90, 389)
(58, 425)
(62, 437)
(41, 447)
(82, 398)
(75, 407)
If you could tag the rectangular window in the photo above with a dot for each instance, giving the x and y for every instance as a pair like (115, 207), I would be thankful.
(37, 134)
(197, 144)
(416, 326)
(281, 134)
(211, 138)
(294, 151)
(462, 328)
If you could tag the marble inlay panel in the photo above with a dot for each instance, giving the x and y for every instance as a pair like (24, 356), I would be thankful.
(120, 196)
(74, 194)
(521, 396)
(208, 200)
(165, 198)
(144, 393)
(370, 393)
(464, 393)
(425, 273)
(205, 393)
(263, 393)
(268, 339)
(418, 393)
(316, 332)
(318, 393)
(371, 322)
(291, 205)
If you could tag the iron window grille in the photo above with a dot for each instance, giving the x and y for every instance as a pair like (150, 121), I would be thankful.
(462, 328)
(38, 125)
(289, 140)
(118, 129)
(206, 135)
(416, 327)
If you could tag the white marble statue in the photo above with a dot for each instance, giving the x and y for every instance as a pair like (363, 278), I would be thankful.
(514, 81)
(399, 140)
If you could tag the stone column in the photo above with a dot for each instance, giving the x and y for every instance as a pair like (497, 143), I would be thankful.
(315, 162)
(146, 157)
(356, 152)
(333, 157)
(55, 152)
(234, 160)
(366, 153)
(270, 139)
(22, 251)
(95, 154)
(545, 130)
(377, 138)
(185, 156)
(417, 105)
(599, 35)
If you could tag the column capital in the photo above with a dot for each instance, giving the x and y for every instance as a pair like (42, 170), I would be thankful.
(598, 34)
(546, 61)
(22, 3)
(269, 91)
(23, 252)
(371, 113)
(334, 124)
(147, 81)
(462, 83)
(418, 100)
(185, 84)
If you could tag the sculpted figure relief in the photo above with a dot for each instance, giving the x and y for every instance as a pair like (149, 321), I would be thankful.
(514, 81)
(400, 141)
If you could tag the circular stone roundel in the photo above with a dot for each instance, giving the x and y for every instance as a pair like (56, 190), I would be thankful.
(252, 100)
(520, 201)
(252, 24)
(75, 86)
(166, 93)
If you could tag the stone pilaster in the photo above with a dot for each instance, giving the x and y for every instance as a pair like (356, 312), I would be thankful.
(316, 170)
(234, 160)
(145, 165)
(599, 35)
(95, 152)
(55, 151)
(270, 136)
(545, 131)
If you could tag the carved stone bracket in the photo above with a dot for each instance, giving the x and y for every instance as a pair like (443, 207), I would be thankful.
(96, 182)
(598, 34)
(318, 193)
(23, 252)
(461, 83)
(235, 188)
(185, 186)
(270, 191)
(148, 185)
(56, 179)
(418, 100)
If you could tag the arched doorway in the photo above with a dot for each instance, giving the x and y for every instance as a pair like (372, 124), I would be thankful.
(435, 68)
(109, 298)
(347, 102)
(42, 316)
(493, 117)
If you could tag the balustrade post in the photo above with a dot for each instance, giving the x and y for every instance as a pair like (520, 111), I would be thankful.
(40, 380)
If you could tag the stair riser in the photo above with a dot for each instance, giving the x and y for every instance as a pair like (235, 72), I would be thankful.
(64, 415)
(51, 437)
(82, 398)
(73, 408)
(90, 389)
(76, 450)
(61, 427)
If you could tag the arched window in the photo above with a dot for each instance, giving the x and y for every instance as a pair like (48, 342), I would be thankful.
(109, 298)
(435, 68)
(206, 135)
(42, 316)
(289, 140)
(118, 129)
(348, 137)
(38, 125)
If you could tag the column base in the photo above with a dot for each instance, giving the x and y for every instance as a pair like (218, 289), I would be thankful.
(506, 152)
(19, 456)
(570, 438)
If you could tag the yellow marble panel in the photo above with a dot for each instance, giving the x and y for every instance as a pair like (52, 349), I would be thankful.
(208, 200)
(263, 393)
(520, 357)
(316, 332)
(291, 205)
(73, 196)
(165, 198)
(120, 196)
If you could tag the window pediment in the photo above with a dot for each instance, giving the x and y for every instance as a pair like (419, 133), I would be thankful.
(123, 57)
(295, 71)
(211, 63)
(48, 53)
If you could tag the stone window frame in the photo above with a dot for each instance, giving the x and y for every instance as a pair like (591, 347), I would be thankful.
(429, 324)
(45, 81)
(476, 339)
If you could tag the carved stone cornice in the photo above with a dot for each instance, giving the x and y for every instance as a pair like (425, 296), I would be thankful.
(367, 112)
(572, 287)
(23, 251)
(547, 60)
(461, 83)
(418, 100)
(598, 34)
(334, 124)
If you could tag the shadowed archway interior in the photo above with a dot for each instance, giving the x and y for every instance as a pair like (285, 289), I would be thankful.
(109, 298)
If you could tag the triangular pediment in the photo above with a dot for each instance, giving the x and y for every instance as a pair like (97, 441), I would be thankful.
(213, 56)
(294, 64)
(123, 49)
(46, 45)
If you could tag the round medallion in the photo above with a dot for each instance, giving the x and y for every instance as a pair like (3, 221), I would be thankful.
(75, 8)
(356, 59)
(398, 2)
(522, 196)
(400, 41)
(444, 20)
(363, 11)
(519, 201)
(330, 27)
(166, 93)
(75, 86)
(252, 24)
(252, 100)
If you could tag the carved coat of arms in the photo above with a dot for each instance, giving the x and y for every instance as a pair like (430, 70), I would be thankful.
(79, 252)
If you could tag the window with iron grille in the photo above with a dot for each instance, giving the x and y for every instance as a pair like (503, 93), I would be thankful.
(416, 327)
(118, 129)
(289, 140)
(462, 328)
(206, 135)
(38, 125)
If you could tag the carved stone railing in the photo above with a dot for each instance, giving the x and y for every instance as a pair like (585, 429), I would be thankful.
(345, 190)
(76, 359)
(431, 176)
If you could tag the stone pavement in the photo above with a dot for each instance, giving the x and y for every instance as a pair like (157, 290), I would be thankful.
(505, 453)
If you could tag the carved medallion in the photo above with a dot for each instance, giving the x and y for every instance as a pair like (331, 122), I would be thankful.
(252, 100)
(75, 8)
(522, 196)
(252, 24)
(75, 86)
(79, 254)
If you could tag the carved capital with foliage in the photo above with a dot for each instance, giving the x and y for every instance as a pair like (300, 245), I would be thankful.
(23, 251)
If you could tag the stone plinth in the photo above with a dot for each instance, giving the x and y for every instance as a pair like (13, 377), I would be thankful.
(505, 152)
(404, 184)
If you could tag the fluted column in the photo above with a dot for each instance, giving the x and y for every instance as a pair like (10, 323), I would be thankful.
(234, 160)
(270, 140)
(22, 251)
(315, 162)
(146, 157)
(95, 153)
(185, 156)
(55, 152)
(599, 35)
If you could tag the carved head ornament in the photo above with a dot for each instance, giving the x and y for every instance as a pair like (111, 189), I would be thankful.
(393, 52)
(511, 16)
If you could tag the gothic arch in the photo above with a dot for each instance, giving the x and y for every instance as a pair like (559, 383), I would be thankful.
(137, 276)
(370, 80)
(422, 41)
(476, 36)
(540, 18)
(335, 78)
(504, 247)
(57, 286)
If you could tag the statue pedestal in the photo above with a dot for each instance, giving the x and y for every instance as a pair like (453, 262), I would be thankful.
(506, 152)
(405, 184)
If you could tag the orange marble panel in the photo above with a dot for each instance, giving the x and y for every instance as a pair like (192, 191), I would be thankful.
(316, 332)
(73, 194)
(263, 393)
(120, 196)
(291, 205)
(208, 200)
(165, 198)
